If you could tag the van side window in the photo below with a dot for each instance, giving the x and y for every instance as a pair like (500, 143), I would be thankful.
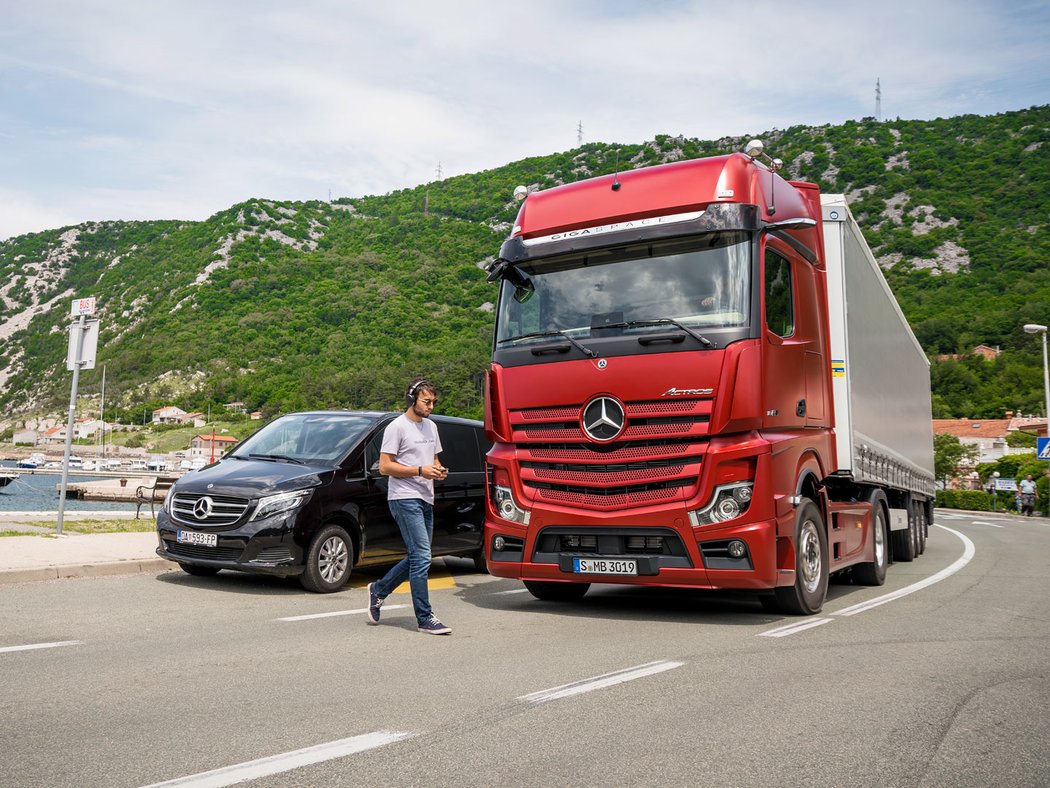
(459, 448)
(780, 309)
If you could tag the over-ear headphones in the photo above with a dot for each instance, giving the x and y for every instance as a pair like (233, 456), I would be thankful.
(413, 390)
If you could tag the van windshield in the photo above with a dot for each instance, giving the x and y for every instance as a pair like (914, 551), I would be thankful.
(318, 438)
(702, 284)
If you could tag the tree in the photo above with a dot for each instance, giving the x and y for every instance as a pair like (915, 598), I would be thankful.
(948, 454)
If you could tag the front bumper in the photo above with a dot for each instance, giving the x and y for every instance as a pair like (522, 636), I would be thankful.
(688, 557)
(266, 546)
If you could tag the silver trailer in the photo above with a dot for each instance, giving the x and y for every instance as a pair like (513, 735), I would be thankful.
(880, 374)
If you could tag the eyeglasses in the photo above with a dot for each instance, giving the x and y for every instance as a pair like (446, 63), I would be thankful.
(430, 402)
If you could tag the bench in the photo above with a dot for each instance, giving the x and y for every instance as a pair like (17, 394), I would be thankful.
(154, 494)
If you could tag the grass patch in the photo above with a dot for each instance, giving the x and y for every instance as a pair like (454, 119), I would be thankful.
(90, 527)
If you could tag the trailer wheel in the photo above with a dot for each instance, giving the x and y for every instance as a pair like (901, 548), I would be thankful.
(807, 595)
(921, 528)
(557, 592)
(874, 573)
(905, 541)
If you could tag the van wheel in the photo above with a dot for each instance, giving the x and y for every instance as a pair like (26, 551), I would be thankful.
(807, 595)
(557, 592)
(874, 573)
(200, 571)
(328, 561)
(480, 564)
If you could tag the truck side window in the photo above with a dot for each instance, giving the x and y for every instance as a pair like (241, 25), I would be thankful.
(780, 311)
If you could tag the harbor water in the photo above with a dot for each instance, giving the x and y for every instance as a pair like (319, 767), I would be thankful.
(38, 492)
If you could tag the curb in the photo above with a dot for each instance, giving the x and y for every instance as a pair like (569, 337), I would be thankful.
(106, 568)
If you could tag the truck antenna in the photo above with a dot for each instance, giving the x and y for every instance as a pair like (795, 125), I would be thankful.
(616, 173)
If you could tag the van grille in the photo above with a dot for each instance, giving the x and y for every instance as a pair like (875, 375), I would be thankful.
(224, 510)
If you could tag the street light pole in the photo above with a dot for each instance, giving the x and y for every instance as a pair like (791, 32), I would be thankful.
(1035, 328)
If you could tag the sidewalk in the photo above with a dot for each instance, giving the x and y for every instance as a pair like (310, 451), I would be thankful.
(47, 556)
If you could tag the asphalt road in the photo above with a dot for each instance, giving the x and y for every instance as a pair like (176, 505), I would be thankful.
(151, 678)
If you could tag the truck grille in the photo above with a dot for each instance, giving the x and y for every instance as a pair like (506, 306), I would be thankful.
(224, 510)
(655, 460)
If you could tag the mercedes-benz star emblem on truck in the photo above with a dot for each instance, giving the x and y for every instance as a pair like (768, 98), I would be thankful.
(603, 419)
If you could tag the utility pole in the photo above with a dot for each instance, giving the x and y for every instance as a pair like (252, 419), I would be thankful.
(579, 134)
(439, 171)
(878, 101)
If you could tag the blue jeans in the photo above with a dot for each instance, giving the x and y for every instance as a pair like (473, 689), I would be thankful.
(415, 518)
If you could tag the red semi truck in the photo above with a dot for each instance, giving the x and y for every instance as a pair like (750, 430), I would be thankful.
(700, 379)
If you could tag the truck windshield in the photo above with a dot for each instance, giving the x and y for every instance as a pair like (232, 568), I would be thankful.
(306, 438)
(704, 284)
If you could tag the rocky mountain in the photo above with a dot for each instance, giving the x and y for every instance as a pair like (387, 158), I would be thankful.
(287, 305)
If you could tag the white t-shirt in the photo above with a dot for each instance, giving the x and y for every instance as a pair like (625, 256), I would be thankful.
(414, 444)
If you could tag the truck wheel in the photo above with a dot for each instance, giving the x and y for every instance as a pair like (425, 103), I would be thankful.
(920, 529)
(904, 541)
(874, 573)
(807, 595)
(480, 564)
(328, 561)
(200, 571)
(557, 592)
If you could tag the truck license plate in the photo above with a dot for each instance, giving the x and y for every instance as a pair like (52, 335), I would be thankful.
(604, 566)
(192, 537)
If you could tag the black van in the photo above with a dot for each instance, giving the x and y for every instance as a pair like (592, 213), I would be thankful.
(303, 496)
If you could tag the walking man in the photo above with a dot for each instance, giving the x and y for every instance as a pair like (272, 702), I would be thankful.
(408, 457)
(1028, 495)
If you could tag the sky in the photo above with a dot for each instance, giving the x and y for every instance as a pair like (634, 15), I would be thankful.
(178, 109)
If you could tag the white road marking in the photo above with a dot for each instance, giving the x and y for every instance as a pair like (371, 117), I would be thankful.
(791, 629)
(34, 646)
(948, 571)
(337, 613)
(277, 764)
(600, 682)
(982, 522)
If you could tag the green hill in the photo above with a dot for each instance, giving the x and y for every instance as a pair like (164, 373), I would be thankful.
(287, 305)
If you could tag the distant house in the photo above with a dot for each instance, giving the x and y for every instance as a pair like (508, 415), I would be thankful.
(197, 419)
(26, 438)
(986, 352)
(53, 435)
(169, 414)
(205, 445)
(988, 435)
(236, 407)
(255, 415)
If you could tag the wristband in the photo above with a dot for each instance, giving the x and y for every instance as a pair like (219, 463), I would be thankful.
(419, 470)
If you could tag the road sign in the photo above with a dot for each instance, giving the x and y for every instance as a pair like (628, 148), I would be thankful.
(1006, 484)
(88, 349)
(1042, 448)
(83, 306)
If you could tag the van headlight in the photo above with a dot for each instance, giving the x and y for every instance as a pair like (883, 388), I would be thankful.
(728, 502)
(284, 502)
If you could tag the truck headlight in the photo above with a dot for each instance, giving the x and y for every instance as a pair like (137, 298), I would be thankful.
(728, 502)
(283, 502)
(507, 507)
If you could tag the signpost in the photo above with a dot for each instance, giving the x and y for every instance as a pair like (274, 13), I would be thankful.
(83, 344)
(1042, 448)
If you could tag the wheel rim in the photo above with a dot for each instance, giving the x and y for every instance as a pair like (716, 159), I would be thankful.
(809, 558)
(332, 559)
(880, 541)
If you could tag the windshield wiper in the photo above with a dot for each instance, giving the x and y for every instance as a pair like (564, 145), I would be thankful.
(276, 457)
(541, 334)
(660, 321)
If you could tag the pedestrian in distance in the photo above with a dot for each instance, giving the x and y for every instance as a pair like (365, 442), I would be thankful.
(1028, 495)
(408, 456)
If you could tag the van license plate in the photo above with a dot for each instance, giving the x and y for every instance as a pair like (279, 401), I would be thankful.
(192, 537)
(604, 566)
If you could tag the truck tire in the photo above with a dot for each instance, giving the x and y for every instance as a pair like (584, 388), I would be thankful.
(807, 595)
(480, 564)
(557, 592)
(905, 541)
(921, 528)
(874, 573)
(328, 561)
(200, 571)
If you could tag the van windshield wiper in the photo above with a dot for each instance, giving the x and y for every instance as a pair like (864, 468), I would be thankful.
(277, 458)
(541, 334)
(660, 321)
